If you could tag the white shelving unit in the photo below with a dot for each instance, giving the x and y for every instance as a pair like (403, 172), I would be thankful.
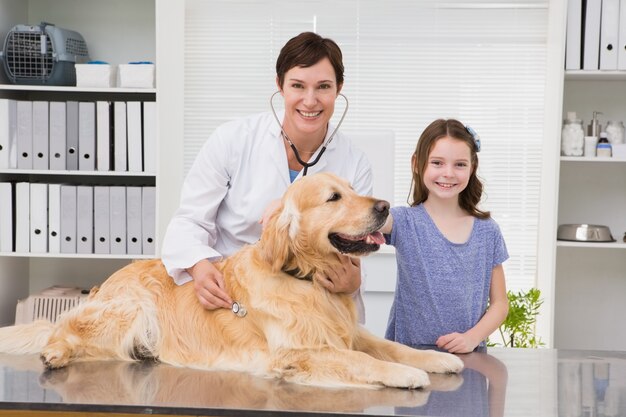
(116, 31)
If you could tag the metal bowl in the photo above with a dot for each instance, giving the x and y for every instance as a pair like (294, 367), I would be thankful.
(584, 233)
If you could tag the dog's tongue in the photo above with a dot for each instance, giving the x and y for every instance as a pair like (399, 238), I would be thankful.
(376, 238)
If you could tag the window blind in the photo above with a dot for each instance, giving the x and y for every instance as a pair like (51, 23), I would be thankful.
(407, 63)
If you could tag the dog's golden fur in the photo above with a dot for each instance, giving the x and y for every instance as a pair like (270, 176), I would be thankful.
(294, 328)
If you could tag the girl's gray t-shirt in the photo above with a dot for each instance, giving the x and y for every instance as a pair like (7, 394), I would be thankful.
(442, 287)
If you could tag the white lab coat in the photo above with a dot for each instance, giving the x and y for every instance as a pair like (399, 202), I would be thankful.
(241, 168)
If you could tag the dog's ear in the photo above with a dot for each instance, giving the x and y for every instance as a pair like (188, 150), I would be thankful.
(278, 235)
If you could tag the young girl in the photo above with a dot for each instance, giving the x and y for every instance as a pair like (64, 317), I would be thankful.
(449, 252)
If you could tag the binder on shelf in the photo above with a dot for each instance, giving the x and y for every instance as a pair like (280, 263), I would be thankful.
(609, 32)
(8, 133)
(6, 217)
(38, 218)
(25, 134)
(148, 220)
(71, 138)
(84, 219)
(68, 218)
(103, 136)
(573, 35)
(133, 220)
(87, 136)
(58, 148)
(150, 136)
(22, 217)
(119, 137)
(101, 220)
(117, 216)
(133, 129)
(621, 41)
(40, 135)
(591, 43)
(54, 218)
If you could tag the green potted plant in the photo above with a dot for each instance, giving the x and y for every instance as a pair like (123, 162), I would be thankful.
(518, 329)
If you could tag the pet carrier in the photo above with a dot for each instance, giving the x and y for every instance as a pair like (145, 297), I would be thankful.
(42, 55)
(48, 304)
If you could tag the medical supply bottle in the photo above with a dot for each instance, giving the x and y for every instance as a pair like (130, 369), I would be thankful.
(603, 148)
(572, 136)
(615, 132)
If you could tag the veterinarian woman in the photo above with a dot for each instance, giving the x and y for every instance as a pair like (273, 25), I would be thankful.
(247, 164)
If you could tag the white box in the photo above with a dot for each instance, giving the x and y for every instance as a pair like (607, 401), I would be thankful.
(95, 75)
(619, 151)
(135, 75)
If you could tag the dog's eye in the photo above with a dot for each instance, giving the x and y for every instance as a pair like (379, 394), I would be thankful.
(334, 197)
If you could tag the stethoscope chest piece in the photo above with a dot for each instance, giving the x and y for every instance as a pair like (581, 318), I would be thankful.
(238, 309)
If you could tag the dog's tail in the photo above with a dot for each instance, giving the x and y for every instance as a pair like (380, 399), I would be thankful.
(25, 339)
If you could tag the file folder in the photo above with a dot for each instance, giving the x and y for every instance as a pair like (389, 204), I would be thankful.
(621, 41)
(54, 218)
(150, 137)
(68, 219)
(117, 212)
(101, 219)
(24, 134)
(22, 217)
(591, 45)
(148, 220)
(133, 128)
(57, 136)
(87, 136)
(133, 220)
(40, 135)
(119, 136)
(103, 136)
(609, 32)
(38, 218)
(71, 129)
(573, 47)
(6, 217)
(8, 133)
(84, 219)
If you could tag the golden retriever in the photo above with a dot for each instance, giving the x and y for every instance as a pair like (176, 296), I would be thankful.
(294, 329)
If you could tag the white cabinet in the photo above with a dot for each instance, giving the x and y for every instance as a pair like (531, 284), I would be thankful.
(590, 278)
(116, 31)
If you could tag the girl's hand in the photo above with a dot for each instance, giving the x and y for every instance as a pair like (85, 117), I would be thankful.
(456, 343)
(346, 278)
(209, 285)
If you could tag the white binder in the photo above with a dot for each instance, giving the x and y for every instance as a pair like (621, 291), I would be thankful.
(101, 220)
(84, 219)
(119, 136)
(87, 136)
(150, 136)
(57, 136)
(54, 218)
(8, 133)
(621, 42)
(71, 139)
(133, 220)
(133, 128)
(117, 212)
(591, 44)
(22, 217)
(103, 136)
(40, 135)
(574, 32)
(25, 134)
(68, 219)
(6, 217)
(38, 218)
(148, 220)
(609, 34)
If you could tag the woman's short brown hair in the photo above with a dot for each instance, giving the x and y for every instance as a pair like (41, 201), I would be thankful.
(307, 49)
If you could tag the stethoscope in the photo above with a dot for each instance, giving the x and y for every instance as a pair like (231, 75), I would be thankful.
(307, 165)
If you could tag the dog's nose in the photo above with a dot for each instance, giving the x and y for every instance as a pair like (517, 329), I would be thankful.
(381, 206)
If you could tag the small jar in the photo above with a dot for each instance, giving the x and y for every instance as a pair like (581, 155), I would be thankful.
(604, 148)
(615, 132)
(572, 138)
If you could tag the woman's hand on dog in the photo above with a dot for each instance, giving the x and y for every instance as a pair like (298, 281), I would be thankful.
(209, 285)
(346, 278)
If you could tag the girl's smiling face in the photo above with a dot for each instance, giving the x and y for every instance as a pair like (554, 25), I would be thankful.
(448, 168)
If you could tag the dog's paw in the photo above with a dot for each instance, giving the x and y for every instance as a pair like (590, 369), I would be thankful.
(406, 377)
(54, 357)
(443, 363)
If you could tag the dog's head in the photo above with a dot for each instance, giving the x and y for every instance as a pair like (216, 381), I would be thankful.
(320, 216)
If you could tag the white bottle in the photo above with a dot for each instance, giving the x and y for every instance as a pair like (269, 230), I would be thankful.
(615, 132)
(572, 136)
